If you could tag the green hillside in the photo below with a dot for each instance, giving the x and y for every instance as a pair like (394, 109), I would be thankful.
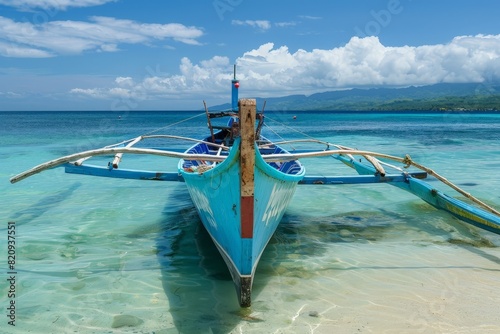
(439, 97)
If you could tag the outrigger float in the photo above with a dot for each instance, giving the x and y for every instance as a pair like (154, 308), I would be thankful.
(256, 179)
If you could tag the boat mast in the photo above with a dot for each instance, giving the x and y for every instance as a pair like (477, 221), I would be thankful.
(235, 84)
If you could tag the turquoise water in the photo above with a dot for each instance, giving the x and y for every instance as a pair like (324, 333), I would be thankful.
(97, 255)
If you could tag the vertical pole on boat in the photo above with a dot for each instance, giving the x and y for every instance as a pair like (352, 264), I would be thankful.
(247, 163)
(247, 115)
(235, 84)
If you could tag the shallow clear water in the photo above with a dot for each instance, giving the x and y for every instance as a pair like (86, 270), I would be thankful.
(97, 255)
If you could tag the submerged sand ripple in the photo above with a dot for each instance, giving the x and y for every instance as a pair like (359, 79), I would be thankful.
(123, 320)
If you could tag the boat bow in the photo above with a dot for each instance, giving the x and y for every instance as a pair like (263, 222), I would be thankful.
(241, 201)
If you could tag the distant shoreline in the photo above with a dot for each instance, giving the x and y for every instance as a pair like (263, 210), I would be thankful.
(291, 112)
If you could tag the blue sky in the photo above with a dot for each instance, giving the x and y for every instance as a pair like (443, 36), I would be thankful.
(171, 55)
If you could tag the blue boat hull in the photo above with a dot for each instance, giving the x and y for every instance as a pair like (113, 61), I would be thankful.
(217, 197)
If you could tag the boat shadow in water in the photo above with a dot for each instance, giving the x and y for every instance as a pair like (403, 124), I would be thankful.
(45, 204)
(195, 278)
(197, 283)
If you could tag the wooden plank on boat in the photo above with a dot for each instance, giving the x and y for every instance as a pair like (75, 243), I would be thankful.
(359, 179)
(122, 173)
(247, 109)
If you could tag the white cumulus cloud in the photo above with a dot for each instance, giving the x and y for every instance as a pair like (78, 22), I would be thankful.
(104, 34)
(20, 51)
(52, 4)
(124, 81)
(91, 92)
(261, 24)
(362, 62)
(366, 62)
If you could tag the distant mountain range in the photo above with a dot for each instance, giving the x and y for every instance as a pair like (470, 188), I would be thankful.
(439, 97)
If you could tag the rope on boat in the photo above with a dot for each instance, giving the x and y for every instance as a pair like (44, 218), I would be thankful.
(133, 141)
(291, 128)
(224, 147)
(288, 127)
(277, 134)
(173, 124)
(209, 122)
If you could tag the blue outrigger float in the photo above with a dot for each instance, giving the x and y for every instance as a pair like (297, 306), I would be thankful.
(241, 183)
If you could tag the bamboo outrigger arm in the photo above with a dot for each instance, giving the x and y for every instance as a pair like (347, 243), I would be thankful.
(407, 161)
(375, 163)
(314, 154)
(268, 157)
(133, 141)
(112, 151)
(118, 156)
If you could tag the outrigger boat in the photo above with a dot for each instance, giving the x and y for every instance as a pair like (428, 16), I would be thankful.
(241, 183)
